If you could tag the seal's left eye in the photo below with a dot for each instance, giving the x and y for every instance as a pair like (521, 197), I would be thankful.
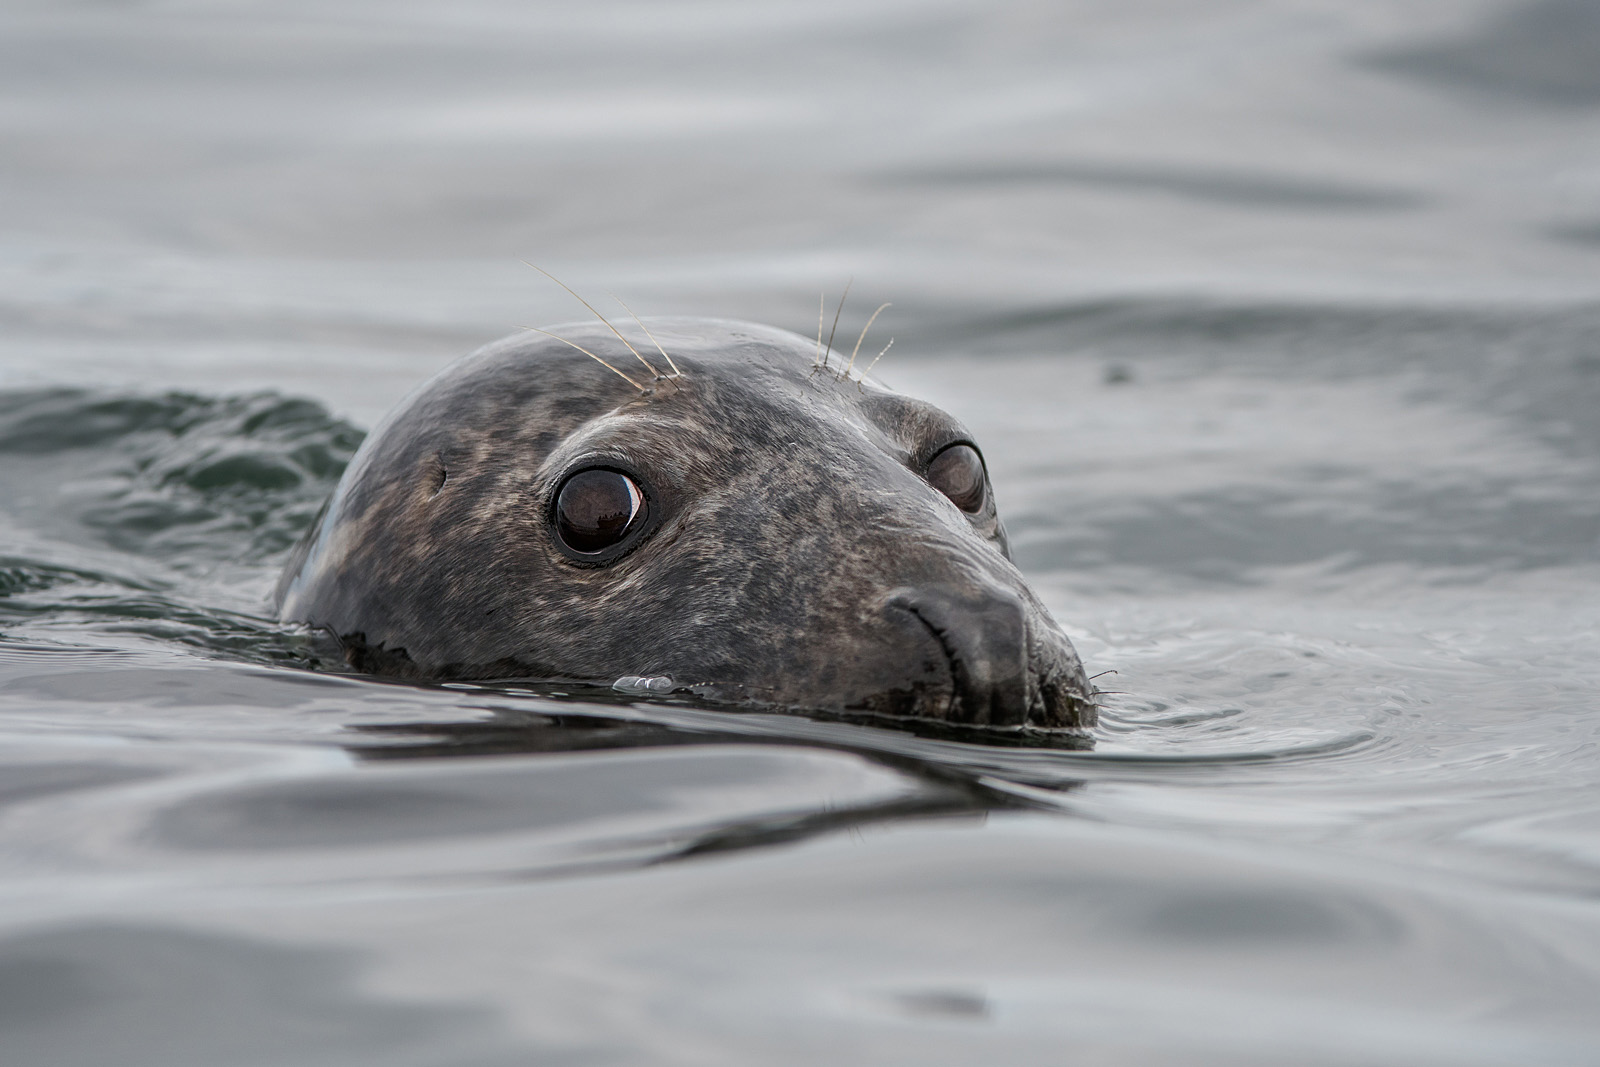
(597, 509)
(957, 472)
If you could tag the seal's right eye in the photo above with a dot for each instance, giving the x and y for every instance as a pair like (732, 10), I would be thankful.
(597, 509)
(957, 472)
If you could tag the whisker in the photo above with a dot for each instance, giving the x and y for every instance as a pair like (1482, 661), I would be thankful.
(856, 350)
(822, 302)
(590, 354)
(676, 373)
(1102, 674)
(654, 373)
(836, 315)
(874, 362)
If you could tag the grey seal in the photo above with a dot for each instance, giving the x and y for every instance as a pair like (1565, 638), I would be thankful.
(742, 518)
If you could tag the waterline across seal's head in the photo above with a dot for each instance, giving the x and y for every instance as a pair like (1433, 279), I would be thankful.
(754, 528)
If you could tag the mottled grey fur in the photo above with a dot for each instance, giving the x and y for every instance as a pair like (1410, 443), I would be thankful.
(798, 558)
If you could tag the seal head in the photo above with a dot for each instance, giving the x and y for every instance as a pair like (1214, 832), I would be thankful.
(754, 528)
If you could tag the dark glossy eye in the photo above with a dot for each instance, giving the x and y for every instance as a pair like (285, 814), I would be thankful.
(957, 472)
(597, 509)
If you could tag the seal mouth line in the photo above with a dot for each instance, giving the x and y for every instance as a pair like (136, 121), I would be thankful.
(950, 661)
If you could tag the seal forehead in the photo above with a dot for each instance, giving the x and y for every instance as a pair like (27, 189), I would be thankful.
(750, 391)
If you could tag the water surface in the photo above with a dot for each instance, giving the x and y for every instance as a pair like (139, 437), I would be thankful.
(1279, 324)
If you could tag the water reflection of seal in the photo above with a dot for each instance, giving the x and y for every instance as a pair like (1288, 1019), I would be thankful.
(742, 522)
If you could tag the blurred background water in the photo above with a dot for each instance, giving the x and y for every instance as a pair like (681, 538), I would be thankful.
(1279, 322)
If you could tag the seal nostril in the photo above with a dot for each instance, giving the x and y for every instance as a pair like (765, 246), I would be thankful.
(984, 637)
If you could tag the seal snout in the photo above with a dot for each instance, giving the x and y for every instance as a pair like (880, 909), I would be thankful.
(984, 635)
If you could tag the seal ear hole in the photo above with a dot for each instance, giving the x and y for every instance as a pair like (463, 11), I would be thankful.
(438, 475)
(957, 472)
(596, 510)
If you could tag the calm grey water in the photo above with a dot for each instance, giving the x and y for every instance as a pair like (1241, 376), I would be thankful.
(1279, 323)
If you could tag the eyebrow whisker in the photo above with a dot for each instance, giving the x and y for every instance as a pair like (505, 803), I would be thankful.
(654, 373)
(591, 355)
(676, 373)
(854, 351)
(874, 362)
(839, 311)
(822, 302)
